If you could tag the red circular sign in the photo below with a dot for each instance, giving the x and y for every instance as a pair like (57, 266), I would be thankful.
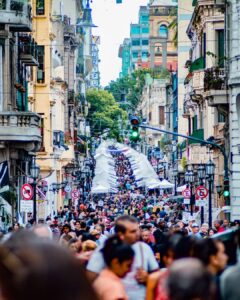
(26, 191)
(201, 192)
(75, 194)
(186, 194)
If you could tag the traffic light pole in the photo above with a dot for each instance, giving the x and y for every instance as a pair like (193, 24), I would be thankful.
(204, 142)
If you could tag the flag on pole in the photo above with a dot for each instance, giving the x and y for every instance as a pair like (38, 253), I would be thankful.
(4, 177)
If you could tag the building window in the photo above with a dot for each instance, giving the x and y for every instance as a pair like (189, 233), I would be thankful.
(144, 42)
(145, 30)
(135, 54)
(40, 71)
(150, 116)
(42, 147)
(194, 123)
(40, 7)
(203, 47)
(161, 115)
(163, 31)
(135, 30)
(136, 42)
(221, 118)
(144, 18)
(220, 40)
(144, 54)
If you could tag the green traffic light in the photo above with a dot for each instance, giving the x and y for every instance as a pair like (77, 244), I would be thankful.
(134, 134)
(226, 193)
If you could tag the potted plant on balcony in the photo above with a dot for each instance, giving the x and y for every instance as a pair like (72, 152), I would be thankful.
(212, 79)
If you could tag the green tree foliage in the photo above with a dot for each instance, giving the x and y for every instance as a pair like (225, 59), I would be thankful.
(105, 113)
(129, 88)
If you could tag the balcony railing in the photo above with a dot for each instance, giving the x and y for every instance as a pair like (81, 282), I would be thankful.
(69, 30)
(162, 11)
(17, 13)
(214, 79)
(28, 50)
(20, 126)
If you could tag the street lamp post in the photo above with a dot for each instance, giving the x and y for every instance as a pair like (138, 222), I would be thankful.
(210, 168)
(201, 176)
(34, 171)
(175, 174)
(191, 180)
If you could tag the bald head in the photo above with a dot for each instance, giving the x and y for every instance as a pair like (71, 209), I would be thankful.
(43, 231)
(189, 279)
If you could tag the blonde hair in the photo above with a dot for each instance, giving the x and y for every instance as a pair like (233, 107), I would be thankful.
(88, 245)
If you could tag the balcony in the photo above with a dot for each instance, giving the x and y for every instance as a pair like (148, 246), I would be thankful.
(215, 86)
(59, 141)
(69, 31)
(17, 14)
(162, 11)
(20, 127)
(28, 50)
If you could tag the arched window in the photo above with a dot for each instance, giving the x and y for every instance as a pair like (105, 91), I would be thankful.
(163, 31)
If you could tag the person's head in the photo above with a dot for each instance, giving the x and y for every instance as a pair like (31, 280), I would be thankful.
(118, 256)
(191, 222)
(146, 235)
(217, 224)
(189, 279)
(225, 223)
(195, 228)
(16, 226)
(212, 254)
(31, 268)
(88, 245)
(127, 229)
(83, 225)
(98, 228)
(74, 245)
(161, 224)
(96, 234)
(211, 232)
(43, 231)
(77, 225)
(66, 228)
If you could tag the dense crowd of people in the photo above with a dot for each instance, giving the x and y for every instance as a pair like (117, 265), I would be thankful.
(130, 245)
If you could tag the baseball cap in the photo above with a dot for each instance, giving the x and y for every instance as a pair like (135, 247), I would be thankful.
(195, 225)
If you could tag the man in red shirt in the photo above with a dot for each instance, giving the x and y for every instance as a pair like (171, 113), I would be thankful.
(218, 226)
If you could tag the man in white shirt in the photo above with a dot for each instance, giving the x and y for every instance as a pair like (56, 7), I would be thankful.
(144, 263)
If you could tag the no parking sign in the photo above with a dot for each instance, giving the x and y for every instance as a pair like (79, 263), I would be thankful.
(26, 191)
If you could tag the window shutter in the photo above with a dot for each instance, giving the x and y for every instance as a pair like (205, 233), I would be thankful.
(161, 115)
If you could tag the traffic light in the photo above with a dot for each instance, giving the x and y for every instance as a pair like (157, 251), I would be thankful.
(134, 134)
(226, 191)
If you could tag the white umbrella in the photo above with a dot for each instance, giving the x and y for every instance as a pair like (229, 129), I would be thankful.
(181, 188)
(100, 189)
(164, 184)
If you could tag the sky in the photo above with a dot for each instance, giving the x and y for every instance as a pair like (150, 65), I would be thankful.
(113, 21)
